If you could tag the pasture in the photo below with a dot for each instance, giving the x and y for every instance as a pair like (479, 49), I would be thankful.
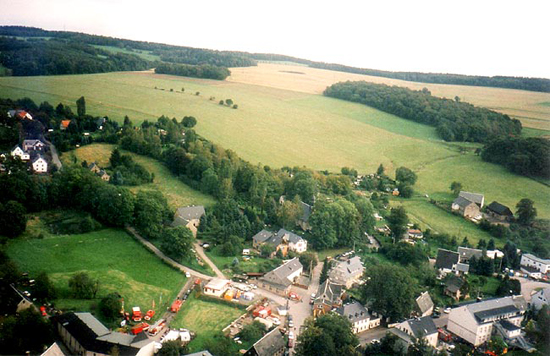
(120, 263)
(292, 128)
(176, 192)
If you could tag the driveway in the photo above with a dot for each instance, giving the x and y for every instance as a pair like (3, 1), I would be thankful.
(200, 252)
(528, 287)
(55, 156)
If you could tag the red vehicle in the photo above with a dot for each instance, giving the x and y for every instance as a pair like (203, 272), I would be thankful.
(43, 311)
(139, 328)
(176, 306)
(149, 315)
(136, 314)
(157, 327)
(444, 335)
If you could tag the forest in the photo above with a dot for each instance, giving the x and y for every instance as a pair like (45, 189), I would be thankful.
(196, 71)
(454, 120)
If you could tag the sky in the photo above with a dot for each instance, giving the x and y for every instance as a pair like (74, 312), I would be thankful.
(482, 37)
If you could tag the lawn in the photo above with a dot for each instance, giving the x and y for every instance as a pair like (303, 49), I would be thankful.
(255, 264)
(147, 55)
(176, 192)
(206, 318)
(119, 262)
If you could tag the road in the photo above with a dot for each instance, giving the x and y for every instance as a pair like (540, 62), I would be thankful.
(200, 252)
(528, 287)
(55, 156)
(368, 336)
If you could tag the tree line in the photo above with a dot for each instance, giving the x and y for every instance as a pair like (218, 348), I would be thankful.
(454, 120)
(207, 71)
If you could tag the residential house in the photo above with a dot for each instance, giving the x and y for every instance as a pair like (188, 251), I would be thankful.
(100, 122)
(493, 254)
(54, 350)
(39, 164)
(33, 145)
(283, 241)
(347, 272)
(271, 344)
(499, 212)
(64, 124)
(189, 216)
(329, 296)
(414, 234)
(474, 322)
(24, 302)
(358, 316)
(104, 175)
(94, 168)
(466, 253)
(541, 264)
(19, 114)
(479, 199)
(17, 151)
(540, 298)
(83, 334)
(303, 221)
(420, 328)
(424, 306)
(466, 208)
(216, 287)
(281, 278)
(449, 261)
(454, 288)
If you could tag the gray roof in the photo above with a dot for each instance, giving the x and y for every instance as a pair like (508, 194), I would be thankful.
(32, 142)
(463, 267)
(424, 302)
(269, 344)
(537, 259)
(344, 270)
(200, 353)
(462, 202)
(271, 238)
(92, 323)
(329, 293)
(354, 312)
(422, 326)
(292, 237)
(454, 283)
(446, 259)
(306, 211)
(262, 236)
(279, 276)
(475, 197)
(402, 335)
(188, 213)
(508, 325)
(37, 157)
(499, 209)
(467, 253)
(491, 308)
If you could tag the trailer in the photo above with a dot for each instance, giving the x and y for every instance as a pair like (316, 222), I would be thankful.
(176, 306)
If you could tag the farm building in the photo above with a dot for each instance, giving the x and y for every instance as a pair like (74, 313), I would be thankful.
(216, 287)
(281, 278)
(466, 208)
(479, 199)
(499, 212)
(189, 216)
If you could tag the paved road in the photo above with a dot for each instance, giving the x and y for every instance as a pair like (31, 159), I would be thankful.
(205, 258)
(528, 287)
(368, 336)
(55, 156)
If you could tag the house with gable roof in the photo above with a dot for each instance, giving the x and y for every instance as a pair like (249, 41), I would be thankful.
(499, 212)
(271, 344)
(424, 306)
(540, 264)
(449, 261)
(17, 151)
(283, 241)
(39, 164)
(540, 298)
(358, 316)
(189, 216)
(466, 208)
(419, 328)
(329, 296)
(33, 145)
(479, 199)
(281, 278)
(347, 272)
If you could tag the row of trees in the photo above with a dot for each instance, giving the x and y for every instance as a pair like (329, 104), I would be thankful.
(206, 71)
(454, 120)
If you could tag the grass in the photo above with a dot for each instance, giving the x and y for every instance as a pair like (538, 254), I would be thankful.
(119, 262)
(255, 264)
(147, 55)
(321, 255)
(205, 318)
(176, 192)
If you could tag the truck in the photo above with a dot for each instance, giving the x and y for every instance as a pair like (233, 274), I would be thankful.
(157, 327)
(136, 314)
(139, 328)
(149, 315)
(176, 306)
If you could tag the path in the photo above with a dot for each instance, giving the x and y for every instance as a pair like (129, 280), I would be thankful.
(529, 286)
(55, 156)
(205, 258)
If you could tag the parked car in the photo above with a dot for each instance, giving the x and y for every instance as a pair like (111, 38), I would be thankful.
(187, 274)
(447, 310)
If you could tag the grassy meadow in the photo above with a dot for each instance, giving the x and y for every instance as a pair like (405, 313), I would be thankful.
(120, 263)
(293, 128)
(176, 192)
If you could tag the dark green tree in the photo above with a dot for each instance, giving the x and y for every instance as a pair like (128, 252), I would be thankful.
(380, 170)
(526, 211)
(177, 242)
(308, 259)
(329, 334)
(397, 221)
(456, 187)
(405, 175)
(43, 288)
(253, 332)
(110, 306)
(82, 286)
(151, 212)
(189, 121)
(16, 338)
(81, 106)
(13, 221)
(172, 348)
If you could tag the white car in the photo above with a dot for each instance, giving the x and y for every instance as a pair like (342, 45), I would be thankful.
(447, 310)
(291, 335)
(187, 274)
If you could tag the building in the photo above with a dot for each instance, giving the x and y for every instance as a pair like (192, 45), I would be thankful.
(281, 278)
(103, 175)
(479, 199)
(24, 302)
(83, 334)
(39, 164)
(528, 260)
(216, 287)
(189, 216)
(358, 316)
(424, 306)
(54, 350)
(493, 254)
(17, 151)
(329, 296)
(466, 253)
(449, 261)
(466, 208)
(283, 241)
(420, 328)
(474, 322)
(414, 234)
(347, 272)
(94, 168)
(302, 222)
(64, 124)
(271, 344)
(540, 298)
(33, 145)
(19, 114)
(499, 212)
(453, 287)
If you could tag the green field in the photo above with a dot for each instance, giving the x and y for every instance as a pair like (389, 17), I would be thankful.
(287, 128)
(119, 262)
(147, 55)
(205, 318)
(255, 264)
(176, 192)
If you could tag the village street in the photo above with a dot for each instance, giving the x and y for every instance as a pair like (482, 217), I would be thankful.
(200, 252)
(528, 287)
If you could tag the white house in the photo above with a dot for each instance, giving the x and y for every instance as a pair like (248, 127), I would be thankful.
(493, 254)
(358, 316)
(420, 328)
(33, 145)
(283, 240)
(18, 152)
(540, 298)
(216, 287)
(347, 272)
(39, 165)
(474, 322)
(533, 261)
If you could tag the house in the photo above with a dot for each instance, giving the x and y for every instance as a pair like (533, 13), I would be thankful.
(33, 145)
(479, 199)
(528, 260)
(302, 222)
(420, 328)
(39, 164)
(24, 302)
(474, 322)
(216, 287)
(283, 240)
(271, 344)
(94, 168)
(54, 350)
(540, 298)
(100, 122)
(103, 175)
(18, 152)
(189, 216)
(424, 306)
(493, 254)
(449, 261)
(64, 124)
(19, 114)
(329, 296)
(466, 208)
(358, 316)
(281, 278)
(466, 253)
(453, 287)
(83, 334)
(499, 212)
(414, 234)
(347, 272)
